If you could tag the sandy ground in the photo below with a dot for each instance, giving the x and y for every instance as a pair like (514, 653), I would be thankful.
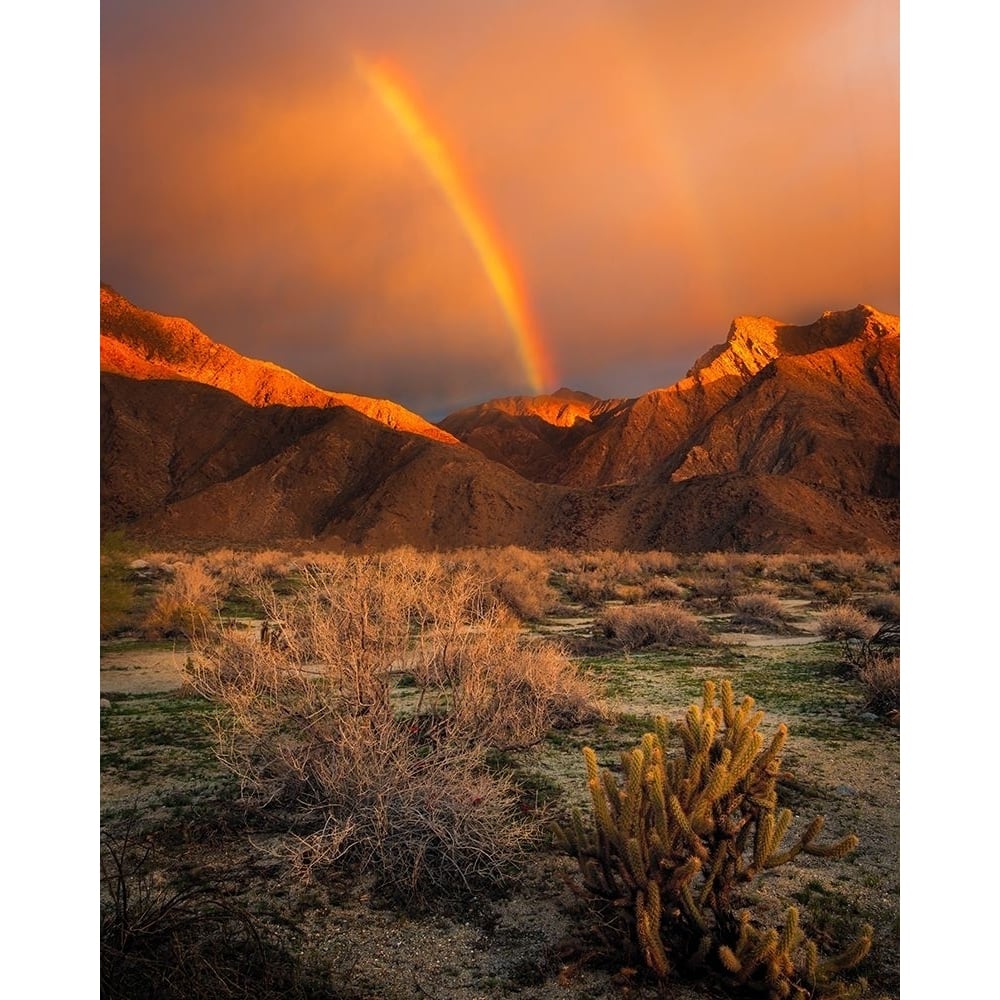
(529, 945)
(141, 671)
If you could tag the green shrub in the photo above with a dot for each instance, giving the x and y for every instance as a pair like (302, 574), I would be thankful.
(118, 596)
(668, 847)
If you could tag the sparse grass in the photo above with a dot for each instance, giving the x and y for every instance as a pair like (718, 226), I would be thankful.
(119, 594)
(162, 737)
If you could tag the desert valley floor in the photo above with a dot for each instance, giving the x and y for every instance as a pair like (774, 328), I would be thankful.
(174, 817)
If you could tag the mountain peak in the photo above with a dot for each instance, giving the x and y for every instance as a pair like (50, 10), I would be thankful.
(145, 345)
(754, 342)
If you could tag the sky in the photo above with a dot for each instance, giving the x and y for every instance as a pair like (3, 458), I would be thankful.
(444, 202)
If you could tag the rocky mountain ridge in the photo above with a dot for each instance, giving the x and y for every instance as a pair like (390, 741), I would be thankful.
(782, 437)
(145, 345)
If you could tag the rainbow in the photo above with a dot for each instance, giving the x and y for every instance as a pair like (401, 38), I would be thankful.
(497, 263)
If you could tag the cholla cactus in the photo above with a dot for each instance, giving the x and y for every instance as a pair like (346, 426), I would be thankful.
(666, 848)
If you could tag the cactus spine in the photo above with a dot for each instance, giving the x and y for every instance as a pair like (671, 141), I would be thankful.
(668, 846)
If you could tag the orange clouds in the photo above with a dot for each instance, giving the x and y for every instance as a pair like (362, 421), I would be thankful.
(653, 171)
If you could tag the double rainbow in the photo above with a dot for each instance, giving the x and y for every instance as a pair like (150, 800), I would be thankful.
(497, 263)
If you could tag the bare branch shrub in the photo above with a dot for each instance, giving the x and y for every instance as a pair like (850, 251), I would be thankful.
(849, 566)
(882, 561)
(185, 604)
(788, 567)
(658, 563)
(720, 562)
(652, 625)
(844, 622)
(704, 585)
(508, 692)
(879, 675)
(517, 578)
(308, 716)
(759, 609)
(424, 819)
(884, 607)
(662, 588)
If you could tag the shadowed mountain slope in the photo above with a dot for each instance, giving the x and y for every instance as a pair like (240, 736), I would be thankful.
(186, 461)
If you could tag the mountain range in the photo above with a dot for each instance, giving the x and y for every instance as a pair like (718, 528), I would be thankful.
(781, 438)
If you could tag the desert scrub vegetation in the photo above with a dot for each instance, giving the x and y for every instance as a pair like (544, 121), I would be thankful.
(517, 578)
(185, 605)
(671, 844)
(314, 718)
(118, 595)
(846, 623)
(878, 673)
(188, 939)
(646, 625)
(759, 610)
(883, 607)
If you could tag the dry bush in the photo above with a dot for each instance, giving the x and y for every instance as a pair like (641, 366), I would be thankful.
(879, 675)
(652, 625)
(788, 567)
(613, 566)
(309, 719)
(848, 566)
(720, 562)
(662, 588)
(658, 563)
(759, 609)
(629, 593)
(884, 607)
(270, 564)
(713, 587)
(508, 692)
(186, 604)
(844, 622)
(832, 592)
(517, 578)
(423, 818)
(591, 588)
(881, 561)
(320, 561)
